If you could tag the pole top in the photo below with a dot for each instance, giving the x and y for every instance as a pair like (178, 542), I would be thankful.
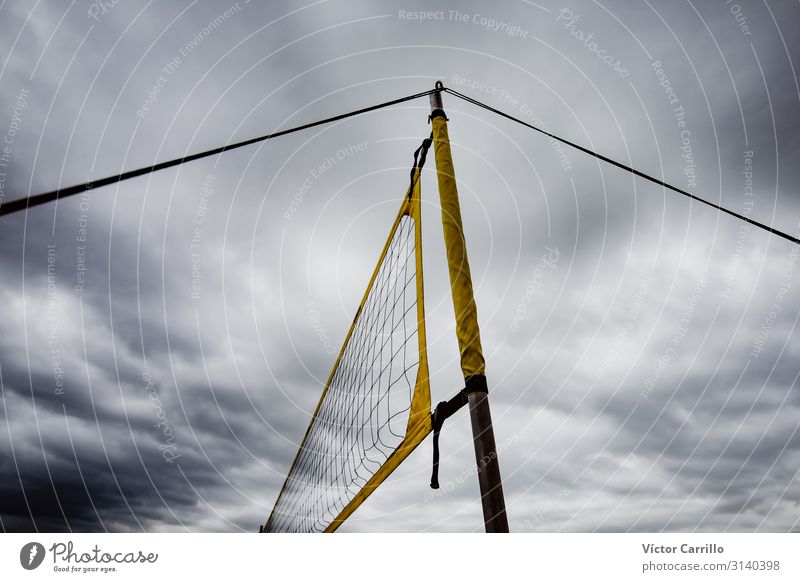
(436, 98)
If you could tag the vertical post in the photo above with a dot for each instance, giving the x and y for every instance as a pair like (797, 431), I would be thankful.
(467, 331)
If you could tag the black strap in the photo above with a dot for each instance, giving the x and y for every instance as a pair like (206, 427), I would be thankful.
(443, 411)
(420, 155)
(437, 113)
(476, 383)
(435, 472)
(446, 409)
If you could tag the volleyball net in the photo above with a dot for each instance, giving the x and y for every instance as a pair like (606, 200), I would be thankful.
(376, 405)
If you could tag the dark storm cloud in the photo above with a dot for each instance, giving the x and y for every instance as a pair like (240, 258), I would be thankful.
(641, 377)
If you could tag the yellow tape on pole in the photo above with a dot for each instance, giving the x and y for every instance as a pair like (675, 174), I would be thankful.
(469, 335)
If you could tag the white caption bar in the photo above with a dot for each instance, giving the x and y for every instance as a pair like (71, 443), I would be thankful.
(345, 557)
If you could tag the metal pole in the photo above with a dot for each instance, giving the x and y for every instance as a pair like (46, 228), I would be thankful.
(436, 98)
(492, 499)
(472, 363)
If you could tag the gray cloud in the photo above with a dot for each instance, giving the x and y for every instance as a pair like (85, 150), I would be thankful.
(643, 381)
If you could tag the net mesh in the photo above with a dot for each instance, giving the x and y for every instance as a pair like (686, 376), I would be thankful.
(363, 415)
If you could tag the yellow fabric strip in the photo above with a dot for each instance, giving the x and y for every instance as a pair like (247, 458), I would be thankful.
(467, 331)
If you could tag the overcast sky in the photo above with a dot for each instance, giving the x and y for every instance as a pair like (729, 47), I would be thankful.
(640, 356)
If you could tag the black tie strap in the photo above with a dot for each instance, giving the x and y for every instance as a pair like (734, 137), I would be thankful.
(445, 410)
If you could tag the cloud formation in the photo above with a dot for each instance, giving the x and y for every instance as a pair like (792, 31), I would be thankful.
(160, 345)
